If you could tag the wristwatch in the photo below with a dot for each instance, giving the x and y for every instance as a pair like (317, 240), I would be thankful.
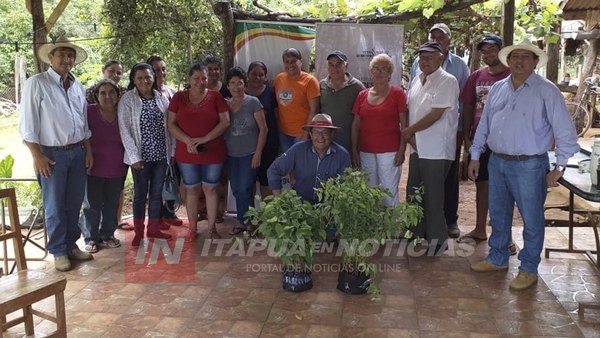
(560, 168)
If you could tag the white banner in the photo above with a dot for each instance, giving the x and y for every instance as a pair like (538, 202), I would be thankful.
(360, 42)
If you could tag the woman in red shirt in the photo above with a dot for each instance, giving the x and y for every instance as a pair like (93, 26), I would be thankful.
(198, 117)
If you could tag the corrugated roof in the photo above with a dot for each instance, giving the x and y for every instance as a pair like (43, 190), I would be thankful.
(580, 5)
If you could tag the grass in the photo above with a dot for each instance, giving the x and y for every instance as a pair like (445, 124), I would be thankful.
(12, 144)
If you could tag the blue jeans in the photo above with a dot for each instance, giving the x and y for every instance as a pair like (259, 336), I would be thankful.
(147, 186)
(523, 182)
(194, 175)
(242, 178)
(100, 205)
(62, 193)
(287, 141)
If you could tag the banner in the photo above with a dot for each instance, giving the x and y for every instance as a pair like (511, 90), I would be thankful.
(266, 41)
(360, 42)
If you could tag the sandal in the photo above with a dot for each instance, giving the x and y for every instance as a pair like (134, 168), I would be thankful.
(512, 247)
(213, 234)
(91, 247)
(236, 230)
(470, 238)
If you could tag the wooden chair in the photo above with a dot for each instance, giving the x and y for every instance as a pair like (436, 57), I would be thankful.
(25, 287)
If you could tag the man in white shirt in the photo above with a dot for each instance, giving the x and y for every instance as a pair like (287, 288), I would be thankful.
(431, 132)
(53, 125)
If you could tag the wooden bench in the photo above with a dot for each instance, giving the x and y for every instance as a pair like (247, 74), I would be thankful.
(20, 290)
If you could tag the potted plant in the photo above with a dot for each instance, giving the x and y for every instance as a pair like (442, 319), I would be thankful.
(290, 226)
(363, 221)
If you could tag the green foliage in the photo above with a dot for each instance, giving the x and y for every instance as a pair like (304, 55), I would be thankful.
(180, 31)
(6, 166)
(28, 193)
(290, 225)
(362, 219)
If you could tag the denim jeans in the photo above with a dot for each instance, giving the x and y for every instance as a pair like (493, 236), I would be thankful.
(523, 182)
(287, 141)
(147, 186)
(62, 193)
(242, 178)
(100, 207)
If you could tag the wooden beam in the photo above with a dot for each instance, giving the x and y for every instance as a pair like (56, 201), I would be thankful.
(508, 22)
(56, 13)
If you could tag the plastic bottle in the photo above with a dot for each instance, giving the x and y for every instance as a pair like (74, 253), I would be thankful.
(595, 156)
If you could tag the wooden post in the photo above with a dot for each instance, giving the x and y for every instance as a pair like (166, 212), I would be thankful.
(39, 32)
(222, 9)
(508, 22)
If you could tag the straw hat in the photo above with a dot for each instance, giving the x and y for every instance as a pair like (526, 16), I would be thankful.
(320, 121)
(45, 49)
(525, 45)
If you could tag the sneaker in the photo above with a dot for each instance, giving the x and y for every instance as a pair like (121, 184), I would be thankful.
(453, 231)
(486, 266)
(91, 247)
(62, 263)
(174, 221)
(111, 243)
(79, 255)
(524, 280)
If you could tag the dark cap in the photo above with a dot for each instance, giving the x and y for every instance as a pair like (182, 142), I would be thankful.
(490, 38)
(430, 46)
(338, 54)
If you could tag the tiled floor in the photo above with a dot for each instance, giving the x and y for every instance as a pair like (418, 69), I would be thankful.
(236, 296)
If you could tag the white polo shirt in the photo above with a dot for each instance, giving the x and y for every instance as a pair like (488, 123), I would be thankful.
(438, 142)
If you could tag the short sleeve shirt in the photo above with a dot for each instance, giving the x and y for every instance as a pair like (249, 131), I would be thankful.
(380, 124)
(197, 120)
(293, 97)
(242, 135)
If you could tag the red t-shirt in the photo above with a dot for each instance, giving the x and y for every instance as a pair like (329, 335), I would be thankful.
(380, 124)
(197, 120)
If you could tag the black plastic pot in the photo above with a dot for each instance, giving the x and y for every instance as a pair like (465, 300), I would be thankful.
(297, 281)
(355, 284)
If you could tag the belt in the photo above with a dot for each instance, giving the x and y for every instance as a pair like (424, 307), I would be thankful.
(66, 147)
(519, 157)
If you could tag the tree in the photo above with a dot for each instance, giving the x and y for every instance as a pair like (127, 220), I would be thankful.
(180, 31)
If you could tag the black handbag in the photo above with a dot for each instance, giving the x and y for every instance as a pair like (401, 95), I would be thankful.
(170, 191)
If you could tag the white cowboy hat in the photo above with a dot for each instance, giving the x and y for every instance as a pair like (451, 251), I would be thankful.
(45, 49)
(526, 45)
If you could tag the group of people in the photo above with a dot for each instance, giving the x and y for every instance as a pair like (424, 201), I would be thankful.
(506, 116)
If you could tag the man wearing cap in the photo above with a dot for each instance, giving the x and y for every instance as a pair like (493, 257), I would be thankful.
(338, 92)
(473, 96)
(454, 65)
(524, 117)
(297, 95)
(315, 160)
(431, 131)
(53, 125)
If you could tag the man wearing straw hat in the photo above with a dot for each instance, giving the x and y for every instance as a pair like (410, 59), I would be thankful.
(524, 116)
(312, 161)
(53, 125)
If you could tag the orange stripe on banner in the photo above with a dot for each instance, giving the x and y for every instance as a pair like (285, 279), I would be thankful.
(298, 37)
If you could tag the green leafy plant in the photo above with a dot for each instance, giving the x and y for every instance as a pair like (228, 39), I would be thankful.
(6, 166)
(362, 219)
(28, 193)
(290, 226)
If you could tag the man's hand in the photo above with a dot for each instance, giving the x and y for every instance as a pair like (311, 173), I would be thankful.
(399, 158)
(552, 178)
(407, 134)
(43, 165)
(473, 170)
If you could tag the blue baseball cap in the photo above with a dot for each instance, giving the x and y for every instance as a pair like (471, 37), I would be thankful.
(490, 38)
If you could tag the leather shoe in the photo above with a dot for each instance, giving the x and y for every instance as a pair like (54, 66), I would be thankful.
(524, 280)
(453, 231)
(62, 263)
(79, 255)
(486, 266)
